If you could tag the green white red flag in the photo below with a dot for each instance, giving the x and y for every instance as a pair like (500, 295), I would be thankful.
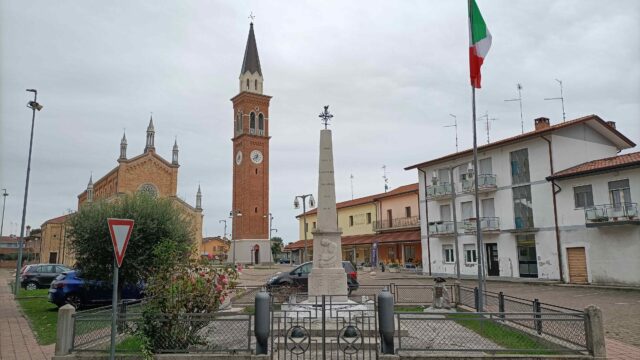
(479, 42)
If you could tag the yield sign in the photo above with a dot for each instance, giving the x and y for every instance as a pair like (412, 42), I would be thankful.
(120, 230)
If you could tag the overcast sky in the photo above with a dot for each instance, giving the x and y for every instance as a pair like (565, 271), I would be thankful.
(392, 72)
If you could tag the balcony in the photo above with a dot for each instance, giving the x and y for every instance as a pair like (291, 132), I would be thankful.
(396, 223)
(487, 225)
(441, 228)
(439, 191)
(604, 215)
(486, 183)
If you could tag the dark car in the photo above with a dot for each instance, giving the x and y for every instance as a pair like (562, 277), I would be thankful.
(70, 288)
(299, 277)
(40, 275)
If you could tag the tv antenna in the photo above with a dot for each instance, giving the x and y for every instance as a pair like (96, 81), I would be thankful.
(455, 125)
(351, 178)
(519, 100)
(561, 98)
(386, 179)
(487, 123)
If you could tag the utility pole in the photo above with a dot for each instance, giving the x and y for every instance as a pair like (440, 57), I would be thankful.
(4, 200)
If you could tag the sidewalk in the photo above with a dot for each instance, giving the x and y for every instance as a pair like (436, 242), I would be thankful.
(17, 341)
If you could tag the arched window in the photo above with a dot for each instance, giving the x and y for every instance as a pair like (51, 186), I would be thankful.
(260, 122)
(240, 125)
(247, 84)
(255, 84)
(252, 122)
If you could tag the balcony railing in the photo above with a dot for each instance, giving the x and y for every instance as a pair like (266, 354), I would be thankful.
(445, 228)
(441, 228)
(396, 223)
(486, 182)
(608, 214)
(487, 224)
(439, 191)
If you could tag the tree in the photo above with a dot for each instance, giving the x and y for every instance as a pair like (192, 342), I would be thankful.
(276, 246)
(157, 221)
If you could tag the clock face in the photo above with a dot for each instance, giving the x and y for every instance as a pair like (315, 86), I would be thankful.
(238, 157)
(256, 156)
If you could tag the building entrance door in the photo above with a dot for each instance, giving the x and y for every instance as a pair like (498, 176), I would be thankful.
(577, 265)
(256, 254)
(493, 264)
(527, 258)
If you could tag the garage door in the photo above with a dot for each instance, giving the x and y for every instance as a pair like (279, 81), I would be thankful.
(577, 265)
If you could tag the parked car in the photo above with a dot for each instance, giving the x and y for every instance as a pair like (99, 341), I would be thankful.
(284, 261)
(70, 288)
(40, 275)
(299, 277)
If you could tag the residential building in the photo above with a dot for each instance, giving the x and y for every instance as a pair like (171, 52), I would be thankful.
(9, 247)
(517, 204)
(599, 221)
(215, 248)
(380, 228)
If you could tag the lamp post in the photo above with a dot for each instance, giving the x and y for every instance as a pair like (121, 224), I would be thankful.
(33, 105)
(4, 200)
(296, 204)
(271, 229)
(233, 213)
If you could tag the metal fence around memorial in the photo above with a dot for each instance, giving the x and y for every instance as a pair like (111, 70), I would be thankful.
(485, 333)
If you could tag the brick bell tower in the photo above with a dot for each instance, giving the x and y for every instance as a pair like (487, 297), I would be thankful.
(250, 208)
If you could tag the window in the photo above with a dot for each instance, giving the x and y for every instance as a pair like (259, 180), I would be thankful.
(351, 220)
(445, 212)
(443, 176)
(522, 207)
(485, 167)
(255, 210)
(619, 192)
(467, 210)
(252, 121)
(247, 84)
(255, 84)
(520, 166)
(409, 253)
(314, 224)
(368, 218)
(407, 211)
(448, 254)
(391, 253)
(304, 269)
(390, 218)
(260, 122)
(488, 208)
(470, 255)
(583, 196)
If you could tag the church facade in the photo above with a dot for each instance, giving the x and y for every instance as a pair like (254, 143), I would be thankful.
(147, 172)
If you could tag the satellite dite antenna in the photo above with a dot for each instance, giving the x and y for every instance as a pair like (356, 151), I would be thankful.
(351, 178)
(455, 125)
(561, 98)
(386, 179)
(519, 100)
(487, 126)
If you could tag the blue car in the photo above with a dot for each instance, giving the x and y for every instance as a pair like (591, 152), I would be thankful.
(70, 288)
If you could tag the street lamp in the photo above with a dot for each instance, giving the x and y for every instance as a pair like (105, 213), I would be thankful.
(296, 204)
(271, 229)
(33, 105)
(233, 213)
(4, 200)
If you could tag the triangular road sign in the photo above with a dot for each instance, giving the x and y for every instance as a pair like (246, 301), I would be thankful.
(120, 230)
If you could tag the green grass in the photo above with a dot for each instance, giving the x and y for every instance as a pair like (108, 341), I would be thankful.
(22, 293)
(131, 344)
(408, 309)
(43, 317)
(500, 334)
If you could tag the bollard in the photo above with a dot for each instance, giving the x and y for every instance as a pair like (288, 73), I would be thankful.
(262, 323)
(476, 298)
(537, 310)
(501, 304)
(64, 331)
(385, 321)
(595, 332)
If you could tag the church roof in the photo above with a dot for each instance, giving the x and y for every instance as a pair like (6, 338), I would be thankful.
(251, 62)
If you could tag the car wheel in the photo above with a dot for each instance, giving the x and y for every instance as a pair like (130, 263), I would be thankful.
(74, 300)
(31, 286)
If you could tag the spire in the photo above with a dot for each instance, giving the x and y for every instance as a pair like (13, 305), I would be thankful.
(251, 72)
(90, 189)
(123, 147)
(150, 136)
(174, 159)
(199, 199)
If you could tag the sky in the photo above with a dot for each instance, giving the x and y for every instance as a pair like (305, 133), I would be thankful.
(391, 71)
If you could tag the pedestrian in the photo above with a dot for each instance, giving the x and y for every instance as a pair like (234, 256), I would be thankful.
(382, 266)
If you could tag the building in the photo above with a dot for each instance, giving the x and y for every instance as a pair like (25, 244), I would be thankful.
(380, 228)
(147, 172)
(215, 248)
(9, 247)
(519, 214)
(250, 203)
(599, 221)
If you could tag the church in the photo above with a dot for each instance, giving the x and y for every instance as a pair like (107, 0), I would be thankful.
(148, 172)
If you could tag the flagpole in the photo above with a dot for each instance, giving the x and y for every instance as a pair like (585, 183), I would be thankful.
(479, 243)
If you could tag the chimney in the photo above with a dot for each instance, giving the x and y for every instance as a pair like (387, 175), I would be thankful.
(612, 124)
(542, 123)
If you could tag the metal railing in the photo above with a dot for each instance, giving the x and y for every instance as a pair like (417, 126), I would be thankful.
(396, 223)
(441, 228)
(486, 224)
(609, 213)
(92, 327)
(439, 191)
(486, 182)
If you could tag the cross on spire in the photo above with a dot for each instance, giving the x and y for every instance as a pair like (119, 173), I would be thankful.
(325, 116)
(251, 16)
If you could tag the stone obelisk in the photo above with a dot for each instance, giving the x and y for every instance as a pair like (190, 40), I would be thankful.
(327, 275)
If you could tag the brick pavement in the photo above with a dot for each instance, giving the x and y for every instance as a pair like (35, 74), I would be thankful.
(17, 341)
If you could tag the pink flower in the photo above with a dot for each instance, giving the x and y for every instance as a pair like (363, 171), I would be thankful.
(221, 299)
(218, 288)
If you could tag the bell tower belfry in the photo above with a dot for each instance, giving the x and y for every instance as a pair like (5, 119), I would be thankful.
(250, 205)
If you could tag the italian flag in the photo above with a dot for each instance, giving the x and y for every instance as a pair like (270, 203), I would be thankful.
(479, 42)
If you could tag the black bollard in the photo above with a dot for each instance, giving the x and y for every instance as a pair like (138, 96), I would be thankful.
(385, 321)
(262, 323)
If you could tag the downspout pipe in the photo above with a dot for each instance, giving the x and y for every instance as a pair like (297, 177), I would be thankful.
(426, 218)
(555, 189)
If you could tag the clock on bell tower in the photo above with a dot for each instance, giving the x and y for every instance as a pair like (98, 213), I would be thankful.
(250, 207)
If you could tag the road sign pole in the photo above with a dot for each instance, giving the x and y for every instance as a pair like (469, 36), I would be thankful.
(114, 310)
